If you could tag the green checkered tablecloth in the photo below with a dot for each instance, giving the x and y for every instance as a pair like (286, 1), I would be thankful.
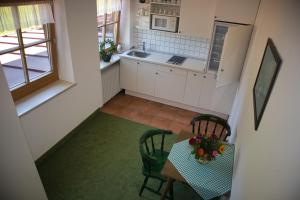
(208, 180)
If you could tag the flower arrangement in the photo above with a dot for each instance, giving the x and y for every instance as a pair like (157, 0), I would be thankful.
(206, 148)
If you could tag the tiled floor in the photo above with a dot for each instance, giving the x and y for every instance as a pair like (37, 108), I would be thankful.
(150, 113)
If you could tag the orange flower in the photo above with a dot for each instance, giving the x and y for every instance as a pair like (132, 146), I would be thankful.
(221, 149)
(200, 152)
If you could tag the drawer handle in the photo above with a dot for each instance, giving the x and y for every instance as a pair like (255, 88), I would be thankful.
(156, 73)
(195, 74)
(204, 76)
(171, 70)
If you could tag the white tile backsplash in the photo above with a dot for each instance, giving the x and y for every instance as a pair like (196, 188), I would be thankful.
(171, 43)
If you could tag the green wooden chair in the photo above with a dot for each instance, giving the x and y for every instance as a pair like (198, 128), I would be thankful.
(154, 156)
(210, 124)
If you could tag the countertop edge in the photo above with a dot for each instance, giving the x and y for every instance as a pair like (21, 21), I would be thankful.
(104, 65)
(183, 67)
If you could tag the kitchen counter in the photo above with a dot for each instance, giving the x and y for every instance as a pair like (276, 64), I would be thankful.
(192, 64)
(114, 59)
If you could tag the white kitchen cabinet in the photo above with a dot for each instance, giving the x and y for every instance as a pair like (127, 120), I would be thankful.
(146, 76)
(177, 85)
(238, 11)
(207, 91)
(201, 91)
(194, 83)
(223, 98)
(128, 74)
(170, 83)
(233, 54)
(197, 18)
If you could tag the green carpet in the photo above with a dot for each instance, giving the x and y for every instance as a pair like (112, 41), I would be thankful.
(101, 161)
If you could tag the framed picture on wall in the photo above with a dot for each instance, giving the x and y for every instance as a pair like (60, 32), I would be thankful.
(265, 80)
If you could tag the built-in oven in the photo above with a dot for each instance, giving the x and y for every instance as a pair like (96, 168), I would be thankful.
(164, 23)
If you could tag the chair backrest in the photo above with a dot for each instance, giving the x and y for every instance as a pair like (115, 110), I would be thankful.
(206, 124)
(151, 142)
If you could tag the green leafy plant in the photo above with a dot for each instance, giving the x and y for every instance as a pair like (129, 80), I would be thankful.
(107, 49)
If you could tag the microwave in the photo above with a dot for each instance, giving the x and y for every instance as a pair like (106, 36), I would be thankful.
(164, 23)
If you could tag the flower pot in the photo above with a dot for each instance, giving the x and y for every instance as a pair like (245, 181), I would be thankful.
(106, 58)
(202, 161)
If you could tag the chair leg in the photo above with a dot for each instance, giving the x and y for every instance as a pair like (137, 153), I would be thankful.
(160, 185)
(143, 186)
(171, 191)
(166, 190)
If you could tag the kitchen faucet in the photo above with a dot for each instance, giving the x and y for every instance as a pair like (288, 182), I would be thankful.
(144, 46)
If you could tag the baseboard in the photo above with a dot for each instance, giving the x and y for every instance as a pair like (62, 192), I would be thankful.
(175, 104)
(65, 138)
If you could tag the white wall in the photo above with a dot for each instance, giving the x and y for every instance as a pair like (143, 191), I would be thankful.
(79, 61)
(19, 176)
(267, 160)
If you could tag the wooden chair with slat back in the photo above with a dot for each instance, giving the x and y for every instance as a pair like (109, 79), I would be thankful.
(206, 124)
(154, 157)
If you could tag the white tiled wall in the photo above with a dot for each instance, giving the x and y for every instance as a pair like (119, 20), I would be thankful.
(171, 43)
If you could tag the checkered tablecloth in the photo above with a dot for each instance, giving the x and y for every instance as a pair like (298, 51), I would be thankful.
(208, 180)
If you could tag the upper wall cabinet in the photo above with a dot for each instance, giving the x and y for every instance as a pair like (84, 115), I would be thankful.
(197, 18)
(238, 11)
(234, 51)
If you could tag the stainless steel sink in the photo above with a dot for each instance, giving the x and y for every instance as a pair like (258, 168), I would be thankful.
(138, 54)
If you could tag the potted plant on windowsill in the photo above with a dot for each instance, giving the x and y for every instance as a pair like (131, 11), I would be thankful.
(107, 49)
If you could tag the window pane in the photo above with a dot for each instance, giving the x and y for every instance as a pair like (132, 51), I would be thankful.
(112, 17)
(13, 68)
(100, 34)
(111, 32)
(8, 41)
(37, 59)
(33, 34)
(100, 20)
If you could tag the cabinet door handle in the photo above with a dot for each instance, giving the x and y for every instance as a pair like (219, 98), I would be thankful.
(156, 73)
(138, 63)
(195, 74)
(171, 70)
(204, 76)
(222, 70)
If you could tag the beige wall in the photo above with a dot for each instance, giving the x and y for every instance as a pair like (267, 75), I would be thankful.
(19, 176)
(267, 160)
(22, 140)
(79, 62)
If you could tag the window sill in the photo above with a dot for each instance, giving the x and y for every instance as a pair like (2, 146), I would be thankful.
(114, 59)
(41, 96)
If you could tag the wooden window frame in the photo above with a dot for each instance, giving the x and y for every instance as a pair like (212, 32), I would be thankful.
(30, 86)
(105, 24)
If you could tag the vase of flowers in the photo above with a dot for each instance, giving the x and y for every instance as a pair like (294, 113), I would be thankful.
(107, 48)
(206, 148)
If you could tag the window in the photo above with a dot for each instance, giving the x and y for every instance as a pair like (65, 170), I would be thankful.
(27, 47)
(108, 19)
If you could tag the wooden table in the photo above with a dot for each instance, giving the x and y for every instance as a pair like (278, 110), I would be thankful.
(170, 171)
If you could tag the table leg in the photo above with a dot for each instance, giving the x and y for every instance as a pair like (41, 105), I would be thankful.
(167, 188)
